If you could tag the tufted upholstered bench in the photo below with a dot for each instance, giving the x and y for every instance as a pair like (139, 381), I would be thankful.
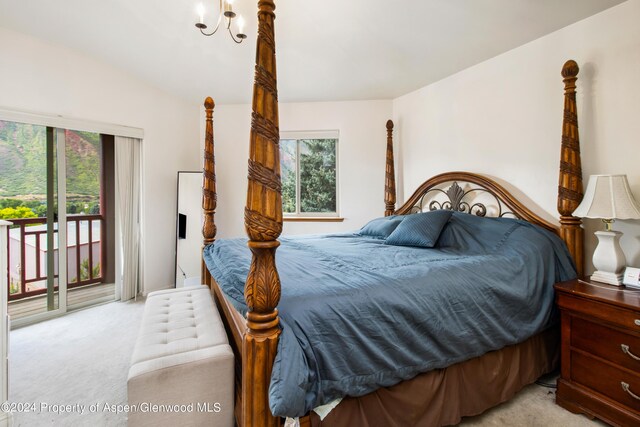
(182, 362)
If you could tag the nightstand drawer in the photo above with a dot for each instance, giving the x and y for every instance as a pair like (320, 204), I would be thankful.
(606, 379)
(615, 315)
(610, 344)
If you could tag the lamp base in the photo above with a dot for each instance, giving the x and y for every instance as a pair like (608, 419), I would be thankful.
(606, 277)
(608, 258)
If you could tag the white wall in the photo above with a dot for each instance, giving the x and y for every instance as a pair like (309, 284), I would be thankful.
(41, 77)
(503, 117)
(361, 154)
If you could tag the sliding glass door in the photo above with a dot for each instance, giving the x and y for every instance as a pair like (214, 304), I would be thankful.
(29, 198)
(89, 224)
(55, 255)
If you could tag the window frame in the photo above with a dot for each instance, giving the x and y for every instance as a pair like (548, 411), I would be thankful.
(317, 134)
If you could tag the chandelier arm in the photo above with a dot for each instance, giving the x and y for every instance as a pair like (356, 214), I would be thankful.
(211, 33)
(220, 12)
(233, 38)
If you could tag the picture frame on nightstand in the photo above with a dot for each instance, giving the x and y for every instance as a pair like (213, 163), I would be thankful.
(631, 277)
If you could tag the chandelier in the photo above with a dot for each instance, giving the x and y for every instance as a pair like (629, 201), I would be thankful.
(226, 13)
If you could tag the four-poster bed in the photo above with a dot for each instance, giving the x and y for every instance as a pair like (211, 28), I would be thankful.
(255, 339)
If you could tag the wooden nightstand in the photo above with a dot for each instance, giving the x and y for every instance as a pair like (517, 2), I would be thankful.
(600, 364)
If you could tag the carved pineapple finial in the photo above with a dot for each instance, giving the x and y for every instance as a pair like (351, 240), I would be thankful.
(570, 69)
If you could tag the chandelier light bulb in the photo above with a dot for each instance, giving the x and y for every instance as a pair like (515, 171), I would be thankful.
(228, 9)
(200, 9)
(240, 24)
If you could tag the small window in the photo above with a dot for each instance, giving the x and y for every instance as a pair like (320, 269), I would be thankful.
(309, 173)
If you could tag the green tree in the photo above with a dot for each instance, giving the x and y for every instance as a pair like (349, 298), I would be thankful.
(14, 287)
(84, 270)
(10, 203)
(289, 192)
(318, 175)
(19, 212)
(288, 148)
(41, 211)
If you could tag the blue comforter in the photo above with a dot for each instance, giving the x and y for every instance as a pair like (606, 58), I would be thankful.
(357, 314)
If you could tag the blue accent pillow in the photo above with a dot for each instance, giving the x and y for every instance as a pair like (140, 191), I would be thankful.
(422, 229)
(381, 227)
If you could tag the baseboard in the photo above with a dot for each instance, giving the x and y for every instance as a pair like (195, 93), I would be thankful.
(148, 291)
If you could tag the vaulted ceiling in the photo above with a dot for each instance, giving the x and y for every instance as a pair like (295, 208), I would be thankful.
(327, 49)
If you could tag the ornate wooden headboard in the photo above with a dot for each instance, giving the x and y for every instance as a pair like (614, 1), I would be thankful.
(470, 193)
(463, 191)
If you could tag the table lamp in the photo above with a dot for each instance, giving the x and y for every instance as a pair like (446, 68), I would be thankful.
(608, 197)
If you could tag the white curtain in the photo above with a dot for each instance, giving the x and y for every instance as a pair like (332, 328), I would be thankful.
(128, 194)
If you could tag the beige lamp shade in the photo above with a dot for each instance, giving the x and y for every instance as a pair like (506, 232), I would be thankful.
(608, 197)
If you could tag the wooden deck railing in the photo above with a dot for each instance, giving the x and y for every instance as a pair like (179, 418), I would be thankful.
(26, 227)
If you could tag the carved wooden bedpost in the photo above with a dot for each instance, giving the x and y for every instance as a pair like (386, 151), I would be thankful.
(263, 223)
(209, 196)
(570, 190)
(390, 175)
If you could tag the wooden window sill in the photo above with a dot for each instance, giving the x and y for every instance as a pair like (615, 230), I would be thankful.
(312, 219)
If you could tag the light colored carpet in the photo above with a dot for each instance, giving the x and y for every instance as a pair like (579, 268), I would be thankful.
(83, 358)
(533, 406)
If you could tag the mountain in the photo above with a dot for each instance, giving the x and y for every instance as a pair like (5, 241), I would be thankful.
(23, 162)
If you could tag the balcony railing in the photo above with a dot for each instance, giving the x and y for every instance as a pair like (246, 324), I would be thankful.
(27, 254)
